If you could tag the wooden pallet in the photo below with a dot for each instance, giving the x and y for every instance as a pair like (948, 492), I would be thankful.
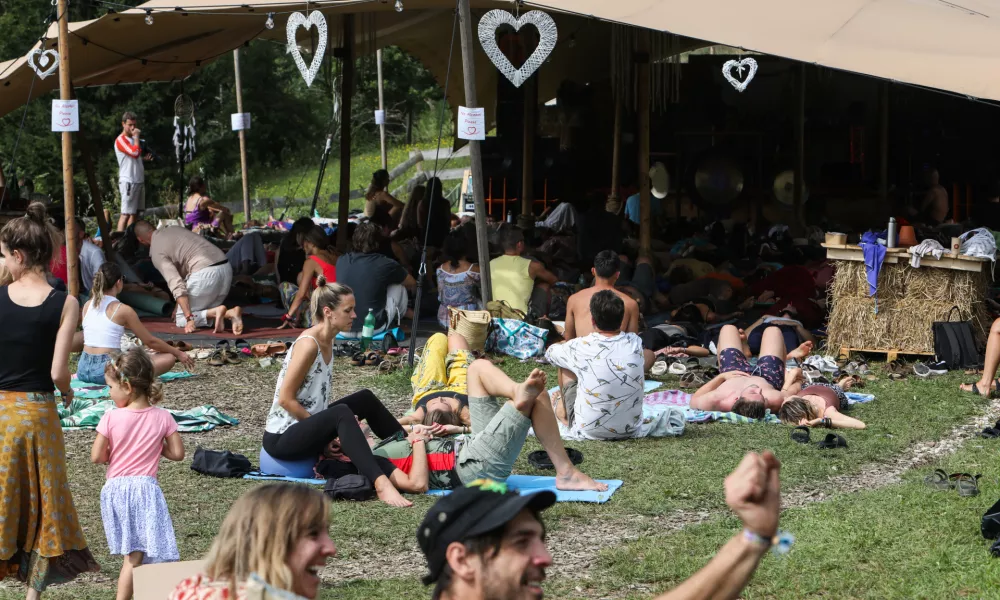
(890, 355)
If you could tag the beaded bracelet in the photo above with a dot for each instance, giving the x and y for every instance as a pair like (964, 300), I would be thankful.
(779, 544)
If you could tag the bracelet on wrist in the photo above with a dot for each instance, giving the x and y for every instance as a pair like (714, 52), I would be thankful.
(779, 544)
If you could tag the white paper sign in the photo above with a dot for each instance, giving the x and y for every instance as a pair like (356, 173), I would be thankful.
(240, 121)
(65, 115)
(379, 117)
(471, 123)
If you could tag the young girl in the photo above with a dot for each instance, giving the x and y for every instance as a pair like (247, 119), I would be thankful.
(130, 439)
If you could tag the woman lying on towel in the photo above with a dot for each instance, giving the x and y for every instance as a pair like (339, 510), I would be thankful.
(819, 405)
(302, 421)
(440, 391)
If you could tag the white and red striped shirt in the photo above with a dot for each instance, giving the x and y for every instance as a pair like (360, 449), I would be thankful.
(130, 167)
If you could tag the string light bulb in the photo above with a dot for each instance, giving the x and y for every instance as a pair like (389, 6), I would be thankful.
(269, 23)
(399, 5)
(149, 17)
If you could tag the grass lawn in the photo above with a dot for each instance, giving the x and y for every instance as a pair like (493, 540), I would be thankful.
(897, 541)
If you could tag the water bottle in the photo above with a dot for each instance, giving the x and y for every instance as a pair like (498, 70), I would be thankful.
(510, 216)
(890, 242)
(368, 330)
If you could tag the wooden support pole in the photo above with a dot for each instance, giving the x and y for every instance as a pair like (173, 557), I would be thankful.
(381, 107)
(243, 137)
(527, 220)
(642, 81)
(69, 196)
(346, 92)
(475, 152)
(616, 150)
(800, 148)
(883, 140)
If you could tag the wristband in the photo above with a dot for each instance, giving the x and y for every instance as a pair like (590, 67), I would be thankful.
(189, 318)
(779, 544)
(827, 422)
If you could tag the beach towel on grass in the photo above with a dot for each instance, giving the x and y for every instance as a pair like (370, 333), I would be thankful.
(661, 422)
(93, 391)
(654, 403)
(86, 414)
(529, 484)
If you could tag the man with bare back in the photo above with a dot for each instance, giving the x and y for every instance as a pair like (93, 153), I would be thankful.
(579, 322)
(740, 388)
(934, 208)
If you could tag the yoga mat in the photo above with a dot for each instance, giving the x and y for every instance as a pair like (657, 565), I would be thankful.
(254, 328)
(147, 304)
(529, 484)
(258, 476)
(399, 334)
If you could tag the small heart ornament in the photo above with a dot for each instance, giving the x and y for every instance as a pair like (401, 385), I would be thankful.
(315, 19)
(739, 65)
(43, 63)
(547, 37)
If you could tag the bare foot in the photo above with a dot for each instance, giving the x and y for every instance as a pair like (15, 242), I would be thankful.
(236, 314)
(529, 389)
(577, 480)
(802, 351)
(390, 495)
(219, 313)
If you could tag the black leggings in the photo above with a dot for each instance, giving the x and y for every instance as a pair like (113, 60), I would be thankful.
(308, 438)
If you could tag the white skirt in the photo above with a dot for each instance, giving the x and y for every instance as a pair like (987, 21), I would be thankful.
(136, 519)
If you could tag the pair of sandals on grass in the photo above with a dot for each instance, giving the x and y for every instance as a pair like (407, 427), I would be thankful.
(388, 361)
(831, 441)
(966, 484)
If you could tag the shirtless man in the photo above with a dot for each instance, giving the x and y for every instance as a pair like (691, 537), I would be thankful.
(579, 322)
(740, 388)
(934, 207)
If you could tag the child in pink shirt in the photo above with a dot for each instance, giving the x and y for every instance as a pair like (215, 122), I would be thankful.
(131, 438)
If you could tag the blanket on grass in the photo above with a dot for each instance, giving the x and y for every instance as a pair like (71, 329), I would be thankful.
(92, 391)
(659, 402)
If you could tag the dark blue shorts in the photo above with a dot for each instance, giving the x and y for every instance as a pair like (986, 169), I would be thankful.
(771, 368)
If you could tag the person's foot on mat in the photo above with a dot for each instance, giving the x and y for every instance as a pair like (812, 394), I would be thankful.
(236, 314)
(529, 389)
(390, 495)
(577, 480)
(219, 314)
(801, 352)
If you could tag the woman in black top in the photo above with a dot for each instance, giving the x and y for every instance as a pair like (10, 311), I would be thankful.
(40, 536)
(290, 256)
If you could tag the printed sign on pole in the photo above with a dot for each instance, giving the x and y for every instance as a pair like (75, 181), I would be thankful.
(240, 121)
(379, 117)
(65, 115)
(471, 123)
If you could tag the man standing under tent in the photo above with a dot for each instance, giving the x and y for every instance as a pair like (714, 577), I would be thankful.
(131, 172)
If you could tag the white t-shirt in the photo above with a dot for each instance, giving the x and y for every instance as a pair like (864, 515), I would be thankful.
(91, 259)
(610, 379)
(130, 167)
(313, 394)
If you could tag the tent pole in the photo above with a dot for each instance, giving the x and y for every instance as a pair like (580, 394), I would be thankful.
(69, 196)
(346, 92)
(527, 218)
(616, 149)
(642, 76)
(800, 149)
(243, 137)
(381, 107)
(475, 152)
(883, 141)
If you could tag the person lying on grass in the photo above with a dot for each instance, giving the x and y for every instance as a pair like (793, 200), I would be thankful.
(486, 542)
(818, 405)
(272, 544)
(440, 390)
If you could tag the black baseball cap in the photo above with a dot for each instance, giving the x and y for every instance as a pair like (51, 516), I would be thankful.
(478, 508)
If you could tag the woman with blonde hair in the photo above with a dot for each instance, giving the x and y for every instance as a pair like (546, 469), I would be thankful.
(275, 537)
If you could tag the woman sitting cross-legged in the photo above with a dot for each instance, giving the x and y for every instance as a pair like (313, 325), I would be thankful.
(303, 422)
(458, 279)
(104, 321)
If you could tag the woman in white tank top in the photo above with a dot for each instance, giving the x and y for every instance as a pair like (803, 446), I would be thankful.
(105, 320)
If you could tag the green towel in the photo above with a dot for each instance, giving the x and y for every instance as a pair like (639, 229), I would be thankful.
(95, 391)
(86, 414)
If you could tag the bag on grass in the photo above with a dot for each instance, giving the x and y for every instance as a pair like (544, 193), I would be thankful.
(516, 338)
(990, 526)
(220, 463)
(954, 343)
(349, 487)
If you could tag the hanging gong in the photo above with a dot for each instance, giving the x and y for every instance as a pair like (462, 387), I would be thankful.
(784, 188)
(718, 180)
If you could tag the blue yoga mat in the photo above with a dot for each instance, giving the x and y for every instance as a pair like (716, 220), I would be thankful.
(397, 332)
(529, 484)
(265, 477)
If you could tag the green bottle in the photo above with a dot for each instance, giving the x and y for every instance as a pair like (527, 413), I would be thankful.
(368, 330)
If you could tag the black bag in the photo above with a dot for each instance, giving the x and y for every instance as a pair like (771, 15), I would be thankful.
(220, 463)
(954, 343)
(990, 526)
(349, 487)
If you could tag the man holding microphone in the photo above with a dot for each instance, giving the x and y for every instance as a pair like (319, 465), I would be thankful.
(131, 172)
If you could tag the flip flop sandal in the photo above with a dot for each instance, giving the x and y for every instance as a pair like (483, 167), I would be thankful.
(358, 360)
(540, 458)
(800, 434)
(691, 380)
(897, 376)
(203, 354)
(658, 369)
(831, 441)
(180, 345)
(217, 359)
(978, 392)
(990, 433)
(222, 345)
(677, 368)
(242, 346)
(938, 480)
(373, 359)
(232, 357)
(711, 373)
(966, 484)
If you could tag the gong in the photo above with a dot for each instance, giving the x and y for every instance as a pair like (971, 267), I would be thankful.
(718, 180)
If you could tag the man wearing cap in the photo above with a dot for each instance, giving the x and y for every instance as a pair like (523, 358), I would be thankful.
(484, 541)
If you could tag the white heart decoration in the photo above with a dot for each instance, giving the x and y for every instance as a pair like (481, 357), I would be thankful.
(547, 37)
(43, 63)
(739, 65)
(296, 20)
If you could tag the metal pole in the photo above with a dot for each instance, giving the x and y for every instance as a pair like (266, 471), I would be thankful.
(243, 137)
(69, 197)
(642, 76)
(346, 92)
(381, 107)
(475, 152)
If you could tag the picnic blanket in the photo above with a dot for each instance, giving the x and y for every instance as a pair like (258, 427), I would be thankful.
(658, 402)
(92, 391)
(86, 414)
